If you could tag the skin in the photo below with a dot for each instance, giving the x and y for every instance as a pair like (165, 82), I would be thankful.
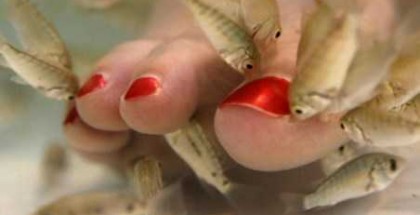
(267, 144)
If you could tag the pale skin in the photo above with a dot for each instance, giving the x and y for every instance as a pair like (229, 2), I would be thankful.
(192, 76)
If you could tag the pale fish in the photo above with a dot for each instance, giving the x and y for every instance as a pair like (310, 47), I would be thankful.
(372, 126)
(338, 157)
(54, 164)
(203, 156)
(102, 203)
(368, 69)
(403, 83)
(367, 174)
(322, 74)
(146, 177)
(206, 158)
(38, 36)
(262, 19)
(52, 81)
(232, 41)
(315, 28)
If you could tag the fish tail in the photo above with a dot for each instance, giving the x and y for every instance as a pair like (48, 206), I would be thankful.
(251, 200)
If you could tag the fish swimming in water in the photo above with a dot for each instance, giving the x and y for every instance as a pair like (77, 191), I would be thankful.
(45, 64)
(321, 75)
(382, 128)
(146, 176)
(367, 174)
(232, 41)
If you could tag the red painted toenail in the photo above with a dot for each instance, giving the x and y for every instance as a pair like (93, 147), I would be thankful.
(268, 95)
(142, 87)
(72, 115)
(96, 82)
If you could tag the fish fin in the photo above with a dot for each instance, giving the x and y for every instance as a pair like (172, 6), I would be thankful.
(37, 34)
(18, 80)
(251, 200)
(293, 203)
(230, 8)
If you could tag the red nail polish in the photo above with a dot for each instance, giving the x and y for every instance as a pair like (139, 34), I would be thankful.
(96, 82)
(72, 115)
(142, 87)
(268, 95)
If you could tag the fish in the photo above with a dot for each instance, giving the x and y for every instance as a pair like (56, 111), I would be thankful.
(55, 162)
(203, 156)
(409, 110)
(335, 159)
(368, 69)
(38, 36)
(52, 81)
(99, 202)
(372, 126)
(262, 19)
(208, 161)
(322, 74)
(231, 40)
(367, 174)
(403, 82)
(146, 176)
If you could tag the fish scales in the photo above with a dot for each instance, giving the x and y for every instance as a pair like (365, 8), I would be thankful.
(51, 80)
(364, 175)
(37, 34)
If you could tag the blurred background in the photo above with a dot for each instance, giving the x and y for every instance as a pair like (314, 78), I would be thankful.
(29, 122)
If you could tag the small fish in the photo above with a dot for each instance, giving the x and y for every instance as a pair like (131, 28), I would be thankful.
(203, 156)
(102, 203)
(403, 82)
(52, 81)
(323, 73)
(206, 158)
(146, 176)
(368, 69)
(38, 36)
(338, 157)
(262, 19)
(230, 39)
(373, 126)
(367, 174)
(54, 164)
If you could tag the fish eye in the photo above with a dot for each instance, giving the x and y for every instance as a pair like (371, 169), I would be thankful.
(249, 66)
(70, 97)
(298, 111)
(342, 126)
(278, 34)
(393, 166)
(341, 149)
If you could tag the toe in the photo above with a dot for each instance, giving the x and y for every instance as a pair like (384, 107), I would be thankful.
(175, 79)
(98, 100)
